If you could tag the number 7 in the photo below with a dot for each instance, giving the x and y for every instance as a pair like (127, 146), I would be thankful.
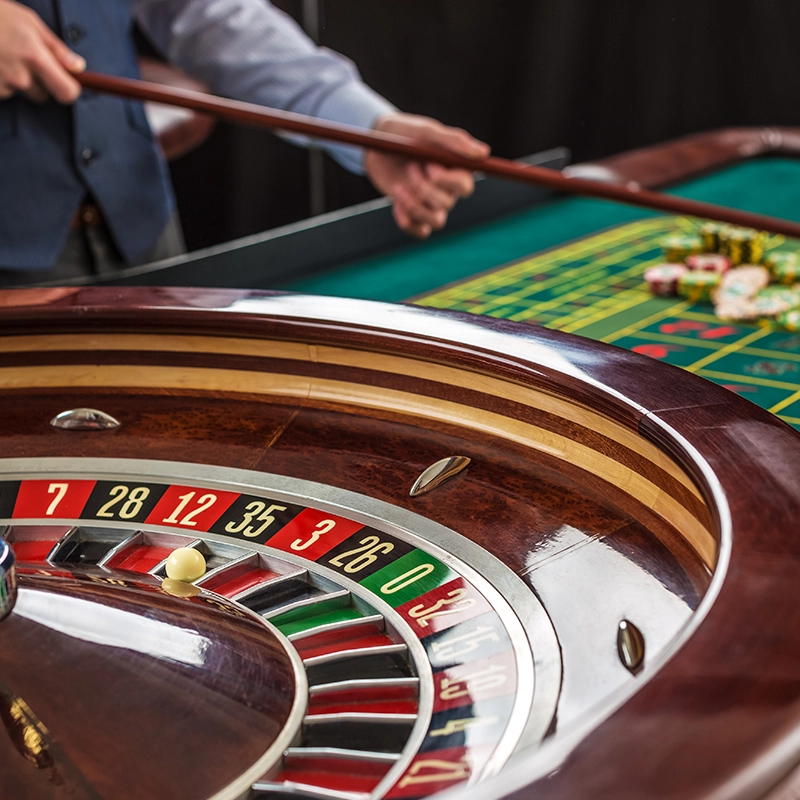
(61, 489)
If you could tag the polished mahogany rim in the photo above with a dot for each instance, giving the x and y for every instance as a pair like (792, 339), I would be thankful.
(666, 163)
(711, 713)
(574, 436)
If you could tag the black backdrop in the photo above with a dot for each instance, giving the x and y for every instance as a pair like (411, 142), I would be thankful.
(599, 76)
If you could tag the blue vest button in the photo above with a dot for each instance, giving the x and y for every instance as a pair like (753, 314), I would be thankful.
(74, 33)
(88, 155)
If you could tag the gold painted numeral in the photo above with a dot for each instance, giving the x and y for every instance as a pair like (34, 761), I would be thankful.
(323, 526)
(108, 581)
(372, 546)
(461, 725)
(407, 578)
(484, 680)
(131, 507)
(203, 504)
(259, 512)
(440, 770)
(457, 598)
(59, 489)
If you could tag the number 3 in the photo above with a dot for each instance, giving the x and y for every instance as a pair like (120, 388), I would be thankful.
(323, 526)
(457, 598)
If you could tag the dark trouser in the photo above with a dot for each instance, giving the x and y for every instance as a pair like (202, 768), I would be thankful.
(90, 253)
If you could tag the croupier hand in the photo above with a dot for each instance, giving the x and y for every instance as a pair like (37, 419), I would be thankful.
(33, 60)
(422, 194)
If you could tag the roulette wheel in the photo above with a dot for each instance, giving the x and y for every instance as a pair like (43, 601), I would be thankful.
(265, 545)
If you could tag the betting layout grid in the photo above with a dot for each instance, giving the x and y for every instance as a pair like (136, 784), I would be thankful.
(595, 287)
(466, 643)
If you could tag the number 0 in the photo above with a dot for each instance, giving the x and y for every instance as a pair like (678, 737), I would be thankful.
(407, 578)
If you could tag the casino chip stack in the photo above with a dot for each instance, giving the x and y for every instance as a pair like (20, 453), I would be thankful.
(734, 299)
(783, 267)
(710, 234)
(722, 265)
(709, 262)
(789, 320)
(697, 286)
(741, 245)
(775, 300)
(663, 278)
(678, 248)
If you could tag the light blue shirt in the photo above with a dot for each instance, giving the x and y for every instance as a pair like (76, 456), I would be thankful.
(249, 50)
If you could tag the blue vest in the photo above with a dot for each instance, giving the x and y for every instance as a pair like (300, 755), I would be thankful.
(52, 156)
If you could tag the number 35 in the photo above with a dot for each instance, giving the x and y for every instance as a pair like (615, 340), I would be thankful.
(259, 512)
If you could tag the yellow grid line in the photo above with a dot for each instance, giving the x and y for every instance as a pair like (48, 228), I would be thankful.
(569, 297)
(545, 263)
(756, 352)
(782, 354)
(629, 330)
(625, 300)
(731, 378)
(602, 283)
(618, 237)
(709, 316)
(786, 402)
(494, 280)
(577, 275)
(669, 339)
(728, 349)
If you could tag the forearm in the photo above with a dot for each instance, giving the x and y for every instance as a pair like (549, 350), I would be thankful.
(249, 50)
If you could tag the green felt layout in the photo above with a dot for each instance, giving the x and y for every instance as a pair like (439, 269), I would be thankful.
(594, 287)
(766, 186)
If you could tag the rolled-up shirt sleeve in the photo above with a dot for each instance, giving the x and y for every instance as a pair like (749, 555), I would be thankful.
(250, 50)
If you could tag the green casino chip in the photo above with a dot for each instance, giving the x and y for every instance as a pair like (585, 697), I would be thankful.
(777, 257)
(742, 245)
(677, 248)
(783, 266)
(710, 234)
(787, 274)
(789, 320)
(769, 303)
(698, 285)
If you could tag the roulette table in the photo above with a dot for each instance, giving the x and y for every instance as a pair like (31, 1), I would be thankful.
(574, 264)
(442, 553)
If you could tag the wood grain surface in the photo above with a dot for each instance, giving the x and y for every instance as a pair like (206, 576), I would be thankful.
(678, 160)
